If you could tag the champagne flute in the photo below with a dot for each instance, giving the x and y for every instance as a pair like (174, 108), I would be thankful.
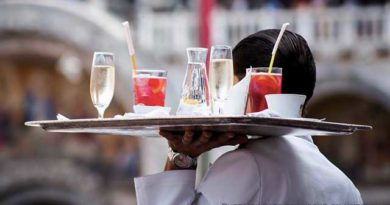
(102, 81)
(220, 76)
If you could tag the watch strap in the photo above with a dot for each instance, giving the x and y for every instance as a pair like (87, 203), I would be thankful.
(181, 160)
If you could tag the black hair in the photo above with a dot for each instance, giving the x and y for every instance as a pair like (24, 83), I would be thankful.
(293, 56)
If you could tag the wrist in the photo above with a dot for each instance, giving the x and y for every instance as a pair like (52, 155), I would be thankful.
(180, 161)
(169, 166)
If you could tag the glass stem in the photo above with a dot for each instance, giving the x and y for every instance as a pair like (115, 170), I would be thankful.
(218, 107)
(100, 113)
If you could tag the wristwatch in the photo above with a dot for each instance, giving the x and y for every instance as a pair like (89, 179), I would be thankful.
(181, 160)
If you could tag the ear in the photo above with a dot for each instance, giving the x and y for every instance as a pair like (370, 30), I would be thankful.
(236, 79)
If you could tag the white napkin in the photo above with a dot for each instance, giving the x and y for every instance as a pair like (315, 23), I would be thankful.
(265, 113)
(236, 102)
(142, 109)
(193, 110)
(160, 111)
(146, 111)
(61, 117)
(128, 115)
(272, 113)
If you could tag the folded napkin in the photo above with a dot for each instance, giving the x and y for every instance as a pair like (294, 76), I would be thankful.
(236, 101)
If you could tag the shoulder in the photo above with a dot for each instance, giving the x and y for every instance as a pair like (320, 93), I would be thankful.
(230, 175)
(237, 159)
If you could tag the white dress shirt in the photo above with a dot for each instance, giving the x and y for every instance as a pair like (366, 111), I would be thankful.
(271, 171)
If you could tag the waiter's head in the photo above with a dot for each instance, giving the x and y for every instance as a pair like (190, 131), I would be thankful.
(293, 55)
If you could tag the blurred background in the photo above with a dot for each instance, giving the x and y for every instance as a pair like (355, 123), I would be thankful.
(46, 51)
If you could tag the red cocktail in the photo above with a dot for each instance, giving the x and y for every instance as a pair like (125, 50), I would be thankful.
(149, 87)
(261, 84)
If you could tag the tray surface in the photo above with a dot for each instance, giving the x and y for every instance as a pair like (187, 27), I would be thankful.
(149, 127)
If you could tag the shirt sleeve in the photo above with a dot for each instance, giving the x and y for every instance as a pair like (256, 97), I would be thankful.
(233, 179)
(169, 187)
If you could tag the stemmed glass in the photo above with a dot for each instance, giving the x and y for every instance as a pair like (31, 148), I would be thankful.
(102, 81)
(220, 76)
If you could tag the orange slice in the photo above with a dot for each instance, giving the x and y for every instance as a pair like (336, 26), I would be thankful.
(157, 85)
(190, 101)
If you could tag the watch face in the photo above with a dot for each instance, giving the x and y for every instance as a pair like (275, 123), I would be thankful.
(182, 161)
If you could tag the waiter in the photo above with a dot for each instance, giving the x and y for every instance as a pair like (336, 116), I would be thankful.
(278, 170)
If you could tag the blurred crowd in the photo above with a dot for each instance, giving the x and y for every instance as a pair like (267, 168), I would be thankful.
(38, 92)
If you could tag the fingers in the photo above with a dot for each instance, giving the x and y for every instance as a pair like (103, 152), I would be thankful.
(195, 143)
(173, 139)
(223, 138)
(177, 140)
(187, 137)
(204, 138)
(219, 140)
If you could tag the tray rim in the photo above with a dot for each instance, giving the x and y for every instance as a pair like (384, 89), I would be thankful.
(197, 121)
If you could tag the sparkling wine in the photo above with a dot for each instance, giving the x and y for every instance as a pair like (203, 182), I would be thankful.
(220, 78)
(102, 85)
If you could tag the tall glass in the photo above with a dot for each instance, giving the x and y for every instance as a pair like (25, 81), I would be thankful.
(220, 76)
(263, 83)
(149, 87)
(102, 81)
(195, 98)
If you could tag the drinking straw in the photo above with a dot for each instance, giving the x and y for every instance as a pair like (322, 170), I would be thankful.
(249, 71)
(130, 45)
(277, 45)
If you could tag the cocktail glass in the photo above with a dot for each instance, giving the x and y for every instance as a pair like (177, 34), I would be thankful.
(262, 83)
(149, 87)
